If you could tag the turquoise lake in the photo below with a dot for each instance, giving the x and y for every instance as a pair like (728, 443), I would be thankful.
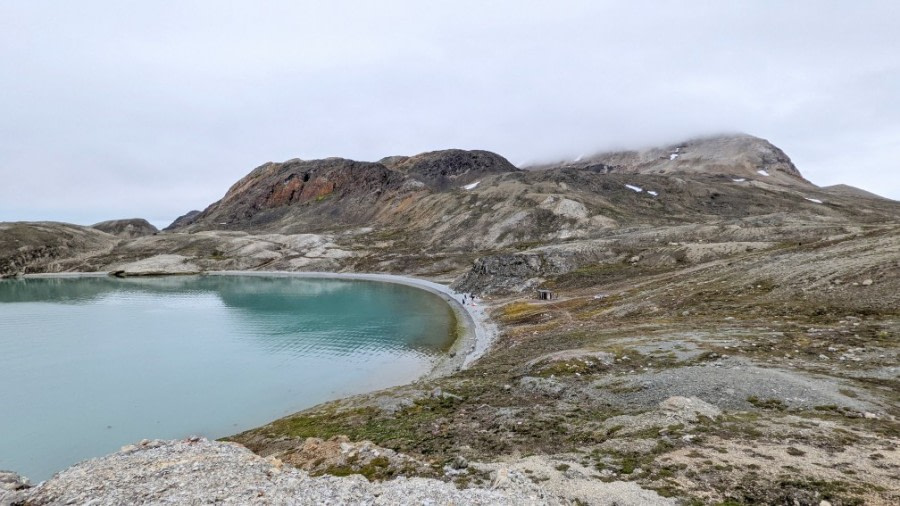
(88, 365)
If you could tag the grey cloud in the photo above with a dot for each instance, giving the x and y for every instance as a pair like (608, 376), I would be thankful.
(115, 109)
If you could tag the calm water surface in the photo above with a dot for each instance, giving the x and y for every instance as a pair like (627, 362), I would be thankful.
(90, 364)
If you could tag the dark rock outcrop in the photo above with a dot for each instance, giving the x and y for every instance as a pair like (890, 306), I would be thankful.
(127, 228)
(451, 168)
(509, 273)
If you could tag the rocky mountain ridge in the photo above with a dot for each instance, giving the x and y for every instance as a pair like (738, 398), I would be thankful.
(718, 335)
(435, 213)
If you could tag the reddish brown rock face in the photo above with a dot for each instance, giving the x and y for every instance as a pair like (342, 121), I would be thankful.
(303, 187)
(284, 193)
(295, 191)
(316, 189)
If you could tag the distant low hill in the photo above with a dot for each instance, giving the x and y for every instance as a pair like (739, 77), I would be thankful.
(127, 228)
(846, 190)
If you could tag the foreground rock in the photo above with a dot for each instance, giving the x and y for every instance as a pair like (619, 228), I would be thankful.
(12, 488)
(197, 471)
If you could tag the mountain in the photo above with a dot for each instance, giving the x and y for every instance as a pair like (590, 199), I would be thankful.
(473, 217)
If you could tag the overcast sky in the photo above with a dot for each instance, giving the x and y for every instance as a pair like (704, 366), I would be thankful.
(112, 109)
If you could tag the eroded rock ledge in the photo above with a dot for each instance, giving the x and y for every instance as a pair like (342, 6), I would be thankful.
(198, 471)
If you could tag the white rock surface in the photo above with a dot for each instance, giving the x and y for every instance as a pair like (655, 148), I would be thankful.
(159, 264)
(197, 471)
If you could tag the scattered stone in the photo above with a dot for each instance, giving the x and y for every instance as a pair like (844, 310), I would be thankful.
(689, 408)
(501, 479)
(867, 282)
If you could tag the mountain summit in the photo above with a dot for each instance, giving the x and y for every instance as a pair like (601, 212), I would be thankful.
(741, 156)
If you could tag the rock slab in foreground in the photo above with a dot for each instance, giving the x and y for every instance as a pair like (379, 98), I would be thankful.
(198, 471)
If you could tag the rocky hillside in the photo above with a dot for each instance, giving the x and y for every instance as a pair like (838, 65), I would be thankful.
(127, 229)
(49, 247)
